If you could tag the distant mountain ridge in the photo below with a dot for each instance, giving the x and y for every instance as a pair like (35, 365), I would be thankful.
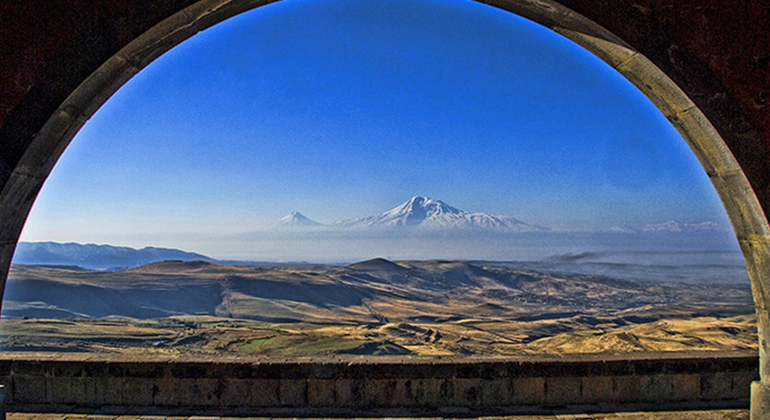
(418, 212)
(97, 257)
(672, 226)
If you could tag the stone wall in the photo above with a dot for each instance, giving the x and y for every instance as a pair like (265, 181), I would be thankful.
(356, 385)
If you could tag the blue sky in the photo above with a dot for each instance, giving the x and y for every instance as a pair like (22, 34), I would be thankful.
(343, 109)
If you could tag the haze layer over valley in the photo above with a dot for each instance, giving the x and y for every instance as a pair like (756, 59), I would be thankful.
(502, 287)
(424, 228)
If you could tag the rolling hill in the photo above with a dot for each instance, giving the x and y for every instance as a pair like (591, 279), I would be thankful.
(377, 307)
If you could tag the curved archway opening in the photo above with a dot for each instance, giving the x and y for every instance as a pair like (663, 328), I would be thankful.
(531, 151)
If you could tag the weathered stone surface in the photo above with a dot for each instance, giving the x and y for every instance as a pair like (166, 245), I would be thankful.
(561, 389)
(597, 389)
(320, 392)
(82, 380)
(264, 393)
(497, 392)
(29, 390)
(529, 391)
(293, 392)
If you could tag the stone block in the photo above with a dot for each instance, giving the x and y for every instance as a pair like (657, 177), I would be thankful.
(760, 400)
(497, 393)
(380, 393)
(236, 393)
(113, 391)
(430, 393)
(597, 389)
(629, 388)
(165, 392)
(58, 390)
(562, 390)
(467, 392)
(82, 391)
(404, 395)
(199, 392)
(99, 390)
(292, 392)
(173, 392)
(654, 388)
(529, 390)
(685, 387)
(320, 392)
(139, 391)
(664, 93)
(716, 386)
(264, 393)
(349, 392)
(29, 390)
(742, 381)
(704, 141)
(546, 14)
(610, 52)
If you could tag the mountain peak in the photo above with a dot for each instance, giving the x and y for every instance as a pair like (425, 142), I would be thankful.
(416, 211)
(419, 200)
(426, 213)
(293, 219)
(419, 212)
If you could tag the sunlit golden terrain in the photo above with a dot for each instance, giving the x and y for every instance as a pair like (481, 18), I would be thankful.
(377, 307)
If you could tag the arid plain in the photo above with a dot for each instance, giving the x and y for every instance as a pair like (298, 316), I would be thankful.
(376, 307)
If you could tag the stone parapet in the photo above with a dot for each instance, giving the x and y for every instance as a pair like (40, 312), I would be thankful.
(130, 384)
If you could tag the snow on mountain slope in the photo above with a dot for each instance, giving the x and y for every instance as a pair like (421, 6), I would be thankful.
(426, 213)
(293, 220)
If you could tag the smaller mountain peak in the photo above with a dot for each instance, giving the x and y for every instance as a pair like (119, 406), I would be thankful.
(295, 215)
(292, 220)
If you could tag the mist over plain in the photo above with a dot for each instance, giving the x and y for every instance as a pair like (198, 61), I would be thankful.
(693, 257)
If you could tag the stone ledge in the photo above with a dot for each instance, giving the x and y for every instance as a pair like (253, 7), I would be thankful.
(238, 385)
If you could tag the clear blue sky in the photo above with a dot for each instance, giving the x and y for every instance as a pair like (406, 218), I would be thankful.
(344, 109)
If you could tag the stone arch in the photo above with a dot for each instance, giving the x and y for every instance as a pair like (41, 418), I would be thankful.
(40, 151)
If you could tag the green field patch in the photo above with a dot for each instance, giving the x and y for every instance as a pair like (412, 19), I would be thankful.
(299, 345)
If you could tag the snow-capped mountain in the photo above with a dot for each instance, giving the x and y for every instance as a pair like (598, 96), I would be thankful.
(293, 220)
(426, 213)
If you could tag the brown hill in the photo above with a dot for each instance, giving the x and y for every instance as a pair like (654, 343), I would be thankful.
(426, 307)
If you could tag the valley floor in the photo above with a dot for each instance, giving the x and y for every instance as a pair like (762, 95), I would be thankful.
(208, 335)
(376, 307)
